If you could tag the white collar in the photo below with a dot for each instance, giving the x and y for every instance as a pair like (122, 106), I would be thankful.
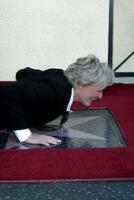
(70, 101)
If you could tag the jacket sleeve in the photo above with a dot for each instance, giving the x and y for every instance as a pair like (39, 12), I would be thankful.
(27, 72)
(26, 96)
(14, 106)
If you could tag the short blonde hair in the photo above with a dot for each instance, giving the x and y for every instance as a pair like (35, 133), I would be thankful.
(89, 70)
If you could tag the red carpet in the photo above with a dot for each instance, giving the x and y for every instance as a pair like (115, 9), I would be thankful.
(79, 164)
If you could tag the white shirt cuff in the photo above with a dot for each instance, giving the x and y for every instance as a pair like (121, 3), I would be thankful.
(23, 134)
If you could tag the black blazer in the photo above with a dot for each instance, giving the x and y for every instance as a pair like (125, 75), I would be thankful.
(37, 97)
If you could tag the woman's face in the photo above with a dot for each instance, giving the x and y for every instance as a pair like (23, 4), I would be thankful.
(87, 94)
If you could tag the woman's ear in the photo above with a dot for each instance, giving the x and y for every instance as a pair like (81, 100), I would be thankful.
(81, 87)
(78, 86)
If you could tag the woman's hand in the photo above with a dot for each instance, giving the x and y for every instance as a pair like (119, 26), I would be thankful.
(35, 138)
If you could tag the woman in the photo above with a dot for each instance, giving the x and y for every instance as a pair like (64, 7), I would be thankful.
(38, 97)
